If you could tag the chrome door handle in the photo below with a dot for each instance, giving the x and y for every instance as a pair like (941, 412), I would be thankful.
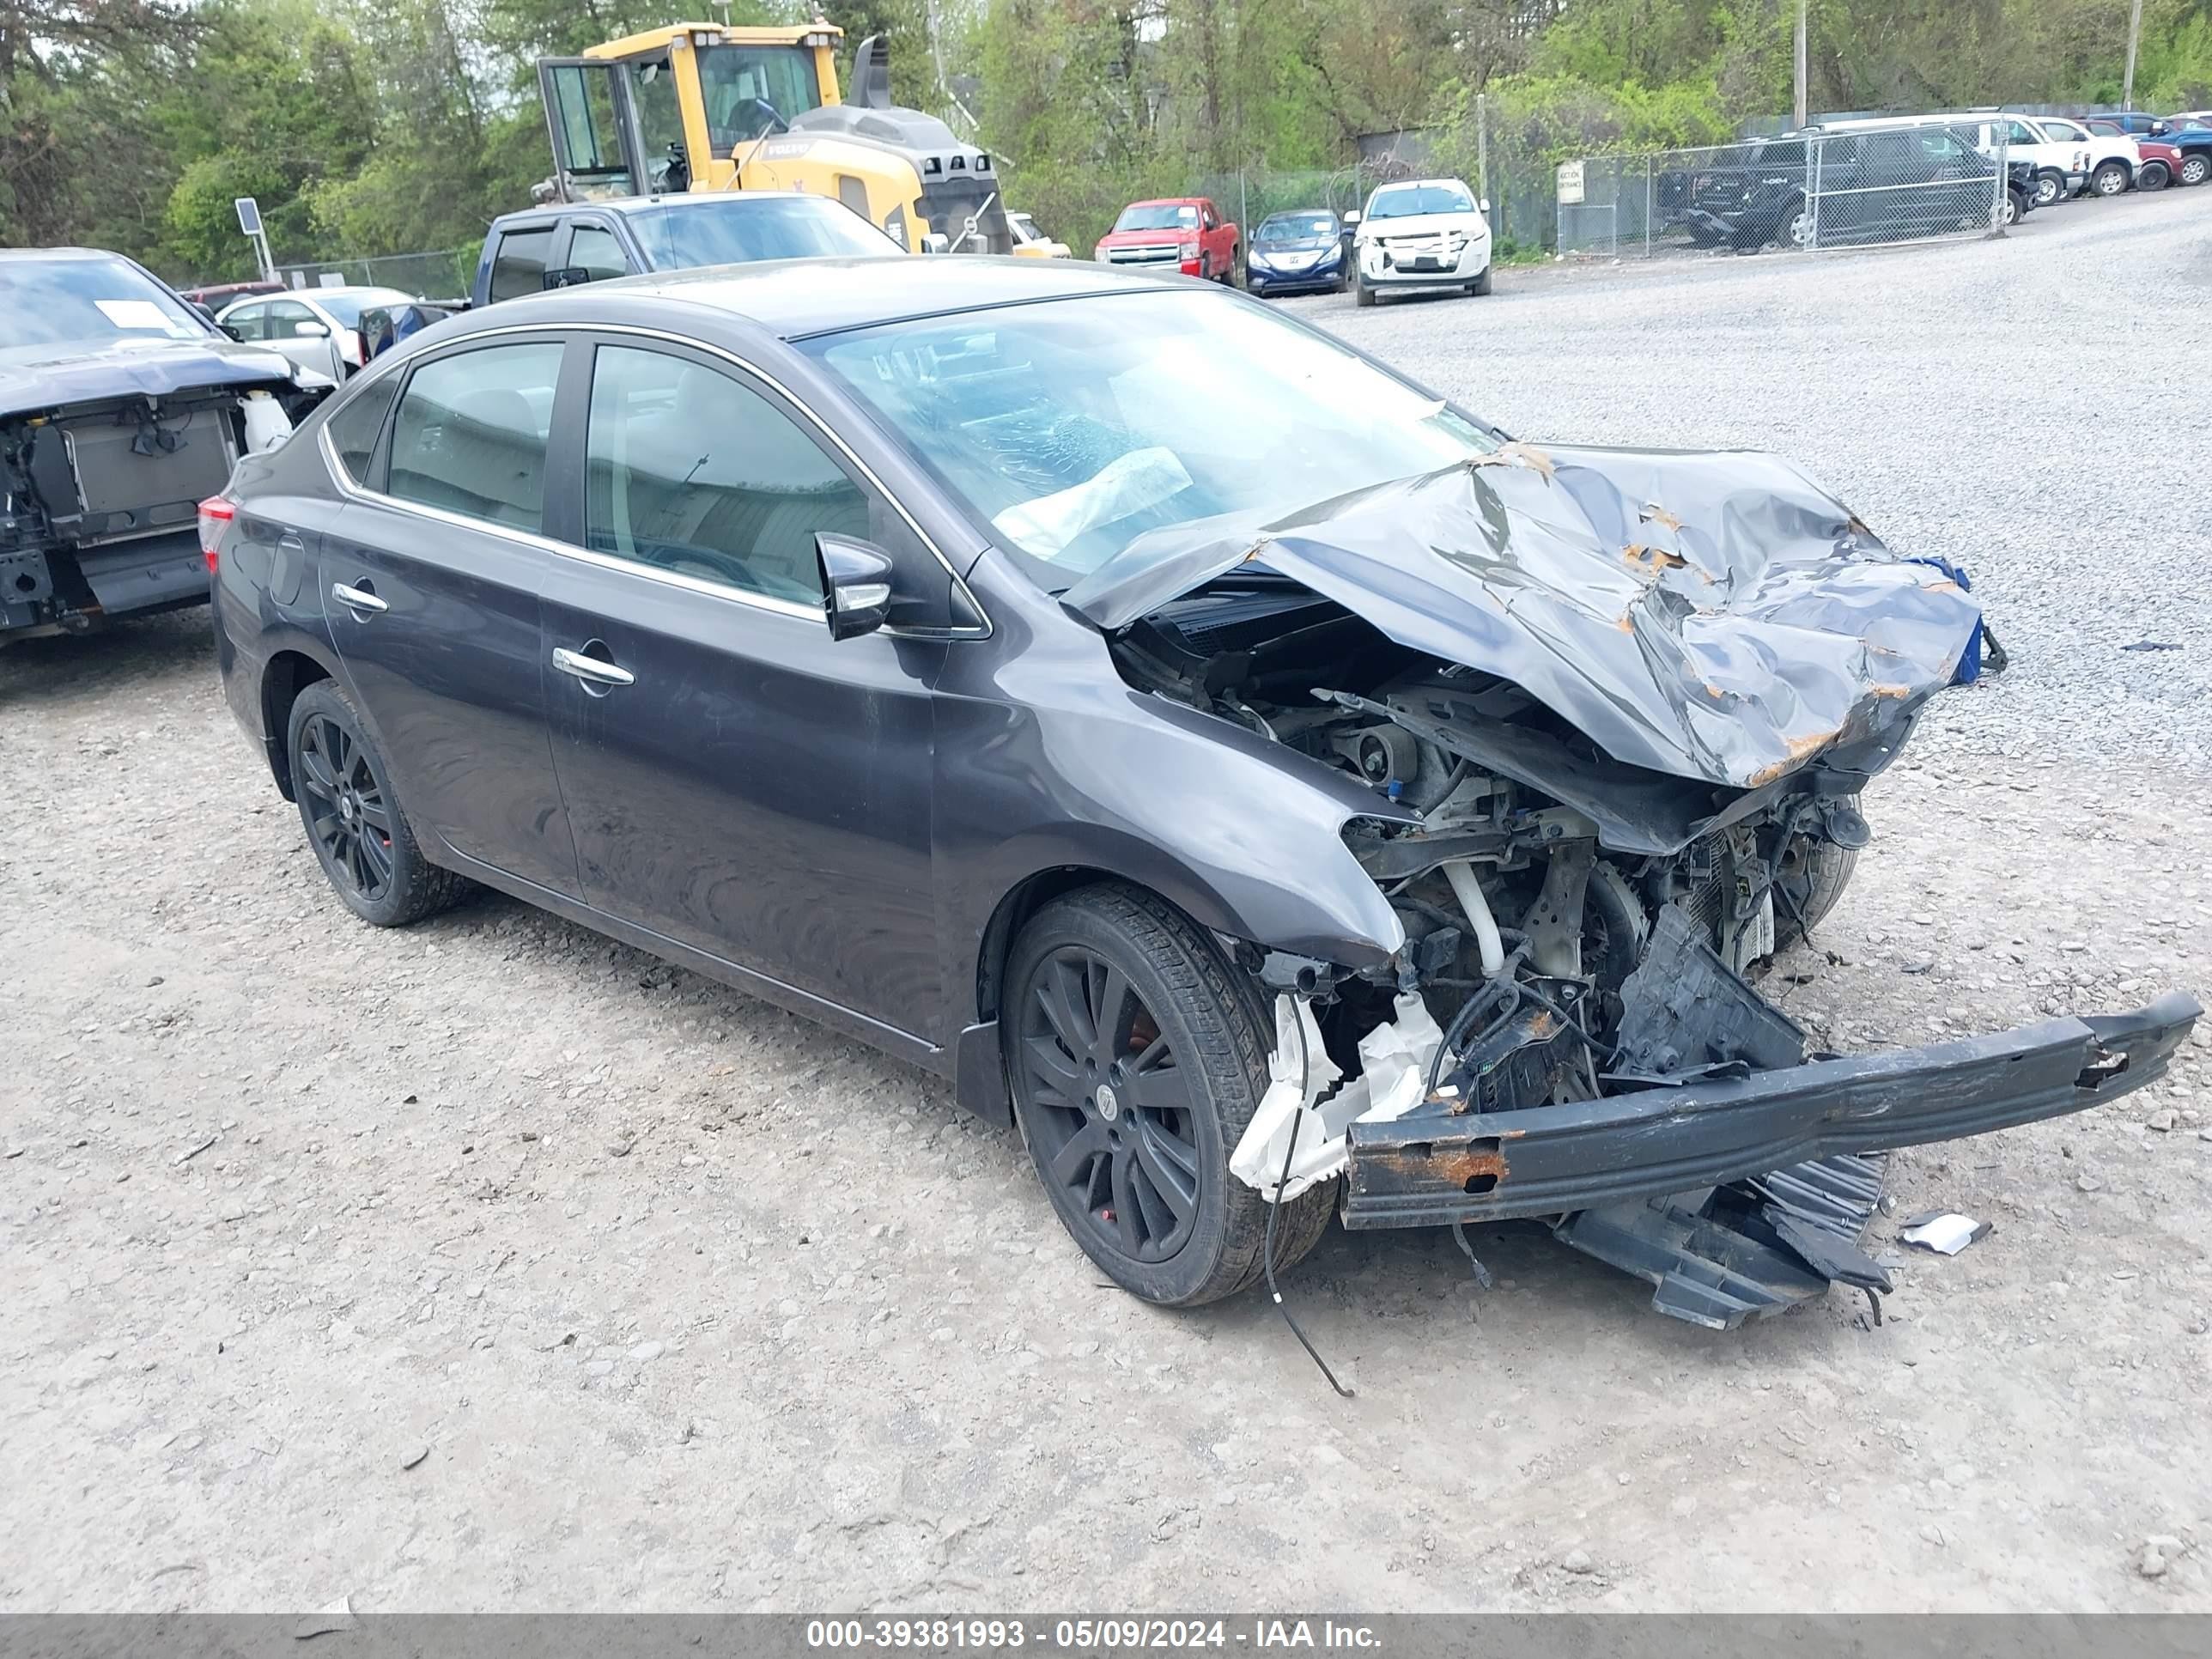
(591, 669)
(357, 600)
(290, 542)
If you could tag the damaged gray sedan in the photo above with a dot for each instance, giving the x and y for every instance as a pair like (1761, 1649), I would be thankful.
(1272, 788)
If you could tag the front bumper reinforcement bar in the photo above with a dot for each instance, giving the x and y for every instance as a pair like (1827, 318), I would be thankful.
(1428, 1168)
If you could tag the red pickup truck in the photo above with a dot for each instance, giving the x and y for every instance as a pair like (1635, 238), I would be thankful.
(1183, 233)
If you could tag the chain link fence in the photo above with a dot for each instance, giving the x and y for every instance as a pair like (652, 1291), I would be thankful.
(1804, 192)
(440, 274)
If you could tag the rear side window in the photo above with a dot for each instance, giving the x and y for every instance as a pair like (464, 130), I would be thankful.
(689, 470)
(519, 265)
(470, 436)
(354, 428)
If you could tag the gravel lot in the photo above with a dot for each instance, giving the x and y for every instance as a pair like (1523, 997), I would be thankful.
(492, 1266)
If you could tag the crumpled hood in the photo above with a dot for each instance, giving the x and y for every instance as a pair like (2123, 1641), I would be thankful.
(33, 379)
(1712, 615)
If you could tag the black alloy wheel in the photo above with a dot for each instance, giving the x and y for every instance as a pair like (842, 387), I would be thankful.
(354, 821)
(1137, 1054)
(343, 800)
(1111, 1117)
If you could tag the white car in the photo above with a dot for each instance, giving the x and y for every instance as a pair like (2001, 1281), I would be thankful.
(1423, 234)
(318, 327)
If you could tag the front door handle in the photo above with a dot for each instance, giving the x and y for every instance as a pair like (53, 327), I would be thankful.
(593, 670)
(359, 600)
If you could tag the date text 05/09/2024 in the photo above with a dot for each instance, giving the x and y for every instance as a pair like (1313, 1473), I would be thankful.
(1087, 1635)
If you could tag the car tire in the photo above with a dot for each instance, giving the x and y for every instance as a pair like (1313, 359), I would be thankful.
(1362, 294)
(2195, 169)
(1229, 277)
(1137, 1056)
(2014, 209)
(2050, 187)
(343, 788)
(1822, 870)
(2152, 176)
(2111, 179)
(1480, 285)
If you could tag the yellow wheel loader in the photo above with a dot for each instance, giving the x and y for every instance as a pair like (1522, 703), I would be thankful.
(698, 107)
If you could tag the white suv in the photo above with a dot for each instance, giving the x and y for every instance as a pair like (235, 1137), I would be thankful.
(1424, 233)
(2113, 160)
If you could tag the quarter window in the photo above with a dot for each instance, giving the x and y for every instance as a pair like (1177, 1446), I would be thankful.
(689, 470)
(355, 426)
(470, 433)
(520, 266)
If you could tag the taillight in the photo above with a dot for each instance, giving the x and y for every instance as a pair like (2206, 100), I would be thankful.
(216, 513)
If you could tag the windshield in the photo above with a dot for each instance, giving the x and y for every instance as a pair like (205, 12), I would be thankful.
(1074, 426)
(738, 230)
(1156, 215)
(752, 90)
(1404, 202)
(1295, 228)
(346, 308)
(50, 302)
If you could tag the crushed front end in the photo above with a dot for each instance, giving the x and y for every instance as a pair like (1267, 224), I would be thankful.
(1622, 708)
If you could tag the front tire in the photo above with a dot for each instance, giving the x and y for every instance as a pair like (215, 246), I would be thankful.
(2154, 176)
(1480, 285)
(354, 821)
(1362, 294)
(2195, 169)
(1137, 1056)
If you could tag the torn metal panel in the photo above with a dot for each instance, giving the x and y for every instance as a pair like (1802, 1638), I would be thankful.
(1715, 617)
(1575, 1155)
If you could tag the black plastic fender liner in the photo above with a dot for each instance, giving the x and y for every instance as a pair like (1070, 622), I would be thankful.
(1431, 1168)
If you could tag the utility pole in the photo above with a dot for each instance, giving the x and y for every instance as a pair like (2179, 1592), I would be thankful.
(1802, 117)
(2134, 34)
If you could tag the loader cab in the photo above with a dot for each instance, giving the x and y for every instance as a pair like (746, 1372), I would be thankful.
(667, 110)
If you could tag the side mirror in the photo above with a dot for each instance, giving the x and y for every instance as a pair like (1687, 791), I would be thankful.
(1352, 217)
(856, 585)
(933, 242)
(231, 329)
(310, 331)
(1482, 206)
(565, 277)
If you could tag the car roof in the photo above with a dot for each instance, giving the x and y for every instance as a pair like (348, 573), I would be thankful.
(551, 211)
(1419, 183)
(795, 298)
(1300, 213)
(59, 253)
(1169, 201)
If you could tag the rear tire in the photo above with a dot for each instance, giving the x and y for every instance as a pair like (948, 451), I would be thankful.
(353, 820)
(2111, 179)
(2049, 187)
(1137, 1056)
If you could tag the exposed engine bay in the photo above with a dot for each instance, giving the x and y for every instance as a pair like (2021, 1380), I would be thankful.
(1573, 1010)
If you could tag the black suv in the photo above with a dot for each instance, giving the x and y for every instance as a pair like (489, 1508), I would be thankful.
(1867, 186)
